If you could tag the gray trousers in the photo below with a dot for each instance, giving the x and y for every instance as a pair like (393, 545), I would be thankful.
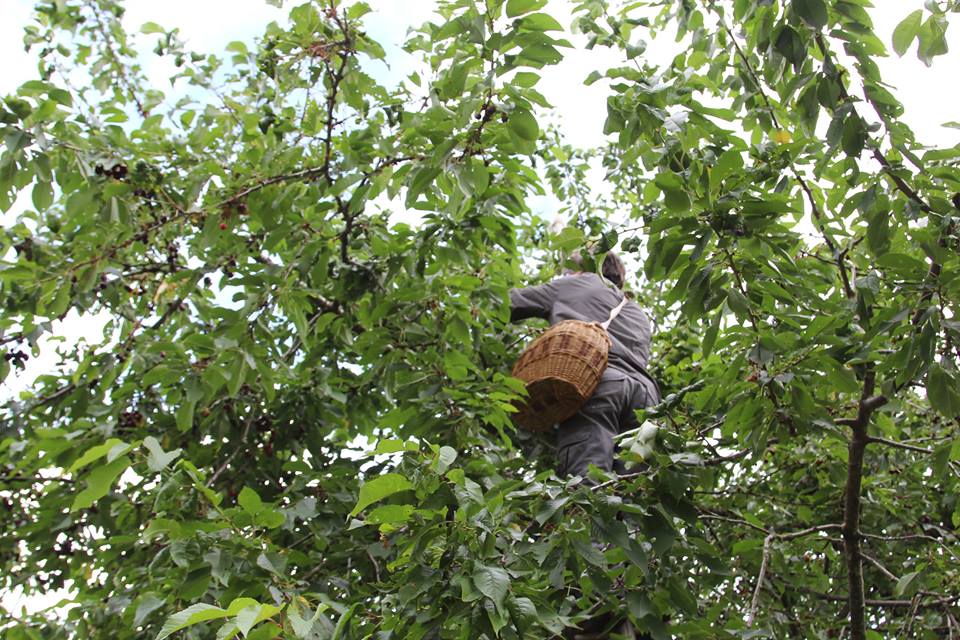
(587, 437)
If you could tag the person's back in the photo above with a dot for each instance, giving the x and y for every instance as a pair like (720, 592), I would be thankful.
(587, 437)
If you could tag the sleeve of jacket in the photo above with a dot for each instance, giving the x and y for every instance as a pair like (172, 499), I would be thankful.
(533, 302)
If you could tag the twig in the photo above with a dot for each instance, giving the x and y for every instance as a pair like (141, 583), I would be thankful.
(743, 290)
(733, 457)
(898, 445)
(19, 478)
(807, 532)
(233, 454)
(913, 615)
(118, 66)
(916, 536)
(752, 613)
(714, 516)
(376, 566)
(309, 574)
(890, 604)
(56, 395)
(951, 622)
(879, 566)
(626, 476)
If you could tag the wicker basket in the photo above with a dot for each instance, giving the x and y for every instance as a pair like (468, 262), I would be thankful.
(561, 369)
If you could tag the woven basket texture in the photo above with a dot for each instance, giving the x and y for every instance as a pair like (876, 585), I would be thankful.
(561, 370)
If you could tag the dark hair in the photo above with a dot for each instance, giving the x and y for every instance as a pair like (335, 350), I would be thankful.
(613, 269)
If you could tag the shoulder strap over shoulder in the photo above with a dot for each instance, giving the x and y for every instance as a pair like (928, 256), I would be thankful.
(614, 312)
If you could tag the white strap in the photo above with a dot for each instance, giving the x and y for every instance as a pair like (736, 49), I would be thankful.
(614, 313)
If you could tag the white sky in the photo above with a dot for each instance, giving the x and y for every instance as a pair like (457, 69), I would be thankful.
(930, 95)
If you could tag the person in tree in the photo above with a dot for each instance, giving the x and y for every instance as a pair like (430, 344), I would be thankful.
(626, 385)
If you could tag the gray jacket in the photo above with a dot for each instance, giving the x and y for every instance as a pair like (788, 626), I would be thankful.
(585, 296)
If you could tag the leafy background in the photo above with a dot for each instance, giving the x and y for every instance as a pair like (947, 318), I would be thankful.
(296, 423)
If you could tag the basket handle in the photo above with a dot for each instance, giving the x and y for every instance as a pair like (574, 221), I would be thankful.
(614, 313)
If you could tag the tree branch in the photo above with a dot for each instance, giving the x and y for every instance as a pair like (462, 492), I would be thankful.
(752, 612)
(888, 604)
(915, 536)
(19, 478)
(898, 445)
(879, 566)
(233, 454)
(851, 509)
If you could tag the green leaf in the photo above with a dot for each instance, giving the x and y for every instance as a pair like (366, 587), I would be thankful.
(540, 22)
(524, 125)
(151, 27)
(184, 415)
(379, 488)
(906, 32)
(304, 627)
(941, 458)
(790, 46)
(250, 501)
(341, 629)
(252, 615)
(99, 482)
(729, 162)
(390, 514)
(270, 518)
(639, 605)
(933, 39)
(61, 302)
(943, 391)
(389, 445)
(906, 583)
(568, 239)
(190, 616)
(676, 200)
(492, 582)
(237, 375)
(146, 604)
(158, 458)
(675, 197)
(738, 304)
(526, 79)
(457, 365)
(813, 12)
(445, 457)
(878, 233)
(95, 453)
(519, 7)
(854, 135)
(42, 195)
(549, 508)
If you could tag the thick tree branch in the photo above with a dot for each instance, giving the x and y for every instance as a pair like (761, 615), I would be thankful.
(851, 508)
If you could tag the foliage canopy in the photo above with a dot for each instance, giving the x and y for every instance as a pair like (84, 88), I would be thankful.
(297, 422)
